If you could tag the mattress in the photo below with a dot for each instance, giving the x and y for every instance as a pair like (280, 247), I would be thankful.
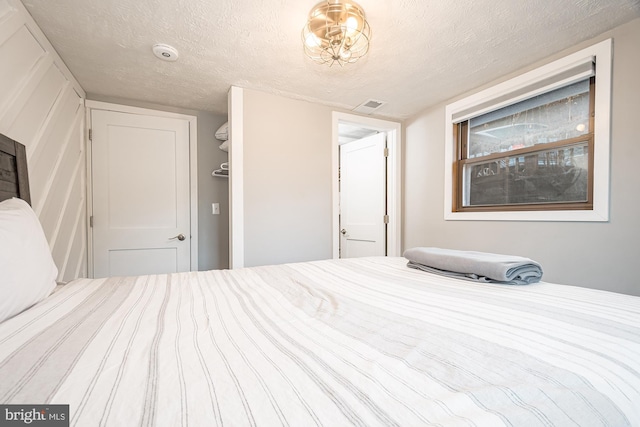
(360, 342)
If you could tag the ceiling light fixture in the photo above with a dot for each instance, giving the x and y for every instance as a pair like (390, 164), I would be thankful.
(336, 31)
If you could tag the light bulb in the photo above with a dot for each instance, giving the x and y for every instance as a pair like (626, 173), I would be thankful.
(352, 25)
(345, 54)
(312, 40)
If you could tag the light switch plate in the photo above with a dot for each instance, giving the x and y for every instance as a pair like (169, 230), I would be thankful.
(215, 208)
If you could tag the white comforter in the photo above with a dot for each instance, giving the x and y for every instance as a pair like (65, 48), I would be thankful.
(352, 342)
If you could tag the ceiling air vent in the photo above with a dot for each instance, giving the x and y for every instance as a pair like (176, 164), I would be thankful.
(369, 106)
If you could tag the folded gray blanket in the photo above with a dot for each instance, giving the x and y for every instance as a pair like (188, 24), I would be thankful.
(476, 266)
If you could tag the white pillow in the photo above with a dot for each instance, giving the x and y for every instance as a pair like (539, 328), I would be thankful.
(223, 132)
(27, 271)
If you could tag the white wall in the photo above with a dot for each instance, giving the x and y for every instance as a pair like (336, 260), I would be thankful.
(597, 255)
(41, 106)
(287, 179)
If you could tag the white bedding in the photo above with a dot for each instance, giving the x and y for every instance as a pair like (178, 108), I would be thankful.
(352, 342)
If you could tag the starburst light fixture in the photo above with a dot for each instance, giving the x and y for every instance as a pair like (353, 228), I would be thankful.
(336, 31)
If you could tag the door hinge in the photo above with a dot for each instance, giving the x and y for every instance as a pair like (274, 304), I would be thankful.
(386, 152)
(90, 135)
(386, 219)
(91, 221)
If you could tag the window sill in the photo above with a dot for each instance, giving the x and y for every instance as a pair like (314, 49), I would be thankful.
(568, 215)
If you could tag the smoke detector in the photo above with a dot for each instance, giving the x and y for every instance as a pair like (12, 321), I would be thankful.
(165, 52)
(369, 106)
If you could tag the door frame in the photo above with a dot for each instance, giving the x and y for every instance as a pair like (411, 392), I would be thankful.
(394, 177)
(193, 170)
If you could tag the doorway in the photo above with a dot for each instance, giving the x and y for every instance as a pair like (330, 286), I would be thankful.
(392, 131)
(142, 193)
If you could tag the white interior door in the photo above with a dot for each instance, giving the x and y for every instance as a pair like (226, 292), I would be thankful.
(140, 187)
(363, 197)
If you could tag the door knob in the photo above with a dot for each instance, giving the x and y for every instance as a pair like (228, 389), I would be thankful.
(343, 231)
(179, 237)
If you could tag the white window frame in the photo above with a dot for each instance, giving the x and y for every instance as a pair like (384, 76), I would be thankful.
(476, 104)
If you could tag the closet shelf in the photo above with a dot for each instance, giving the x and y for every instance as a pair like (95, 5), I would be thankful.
(223, 172)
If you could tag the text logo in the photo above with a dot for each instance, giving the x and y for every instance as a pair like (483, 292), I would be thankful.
(34, 415)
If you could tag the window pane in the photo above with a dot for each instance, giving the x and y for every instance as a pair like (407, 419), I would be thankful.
(553, 116)
(550, 176)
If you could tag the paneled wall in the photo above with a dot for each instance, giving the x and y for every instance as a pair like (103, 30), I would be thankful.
(42, 107)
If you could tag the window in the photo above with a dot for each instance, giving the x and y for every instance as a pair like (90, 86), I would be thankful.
(534, 147)
(530, 155)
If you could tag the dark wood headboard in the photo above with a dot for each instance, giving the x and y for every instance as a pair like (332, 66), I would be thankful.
(14, 177)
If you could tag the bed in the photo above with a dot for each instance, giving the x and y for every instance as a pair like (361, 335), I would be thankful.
(14, 177)
(362, 342)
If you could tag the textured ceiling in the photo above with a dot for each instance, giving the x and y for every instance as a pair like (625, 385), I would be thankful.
(422, 51)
